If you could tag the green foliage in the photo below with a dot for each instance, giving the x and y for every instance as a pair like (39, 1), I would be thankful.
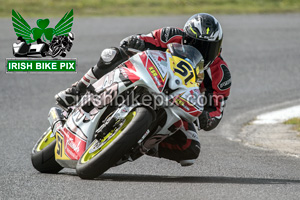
(34, 8)
(295, 122)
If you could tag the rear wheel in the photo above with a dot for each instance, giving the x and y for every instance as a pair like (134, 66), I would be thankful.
(103, 154)
(42, 156)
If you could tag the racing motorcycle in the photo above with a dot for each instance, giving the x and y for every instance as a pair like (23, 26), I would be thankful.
(57, 50)
(104, 130)
(60, 45)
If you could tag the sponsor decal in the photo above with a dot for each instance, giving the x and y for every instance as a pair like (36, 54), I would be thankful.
(124, 74)
(157, 81)
(155, 75)
(149, 65)
(225, 82)
(155, 62)
(152, 71)
(104, 82)
(160, 61)
(74, 146)
(188, 101)
(40, 42)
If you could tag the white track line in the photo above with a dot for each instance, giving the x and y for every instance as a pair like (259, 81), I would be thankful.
(278, 116)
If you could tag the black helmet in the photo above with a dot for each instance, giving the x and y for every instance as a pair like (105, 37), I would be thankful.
(204, 32)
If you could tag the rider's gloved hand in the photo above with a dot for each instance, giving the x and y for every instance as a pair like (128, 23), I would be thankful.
(205, 120)
(133, 42)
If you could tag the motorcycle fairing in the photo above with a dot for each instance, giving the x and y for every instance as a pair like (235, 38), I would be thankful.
(139, 70)
(69, 145)
(156, 65)
(188, 101)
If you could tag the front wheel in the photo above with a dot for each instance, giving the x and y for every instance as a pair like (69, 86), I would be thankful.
(103, 154)
(42, 155)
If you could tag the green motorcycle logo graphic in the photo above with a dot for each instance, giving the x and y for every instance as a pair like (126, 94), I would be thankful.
(22, 28)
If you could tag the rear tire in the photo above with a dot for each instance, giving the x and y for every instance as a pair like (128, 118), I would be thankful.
(43, 158)
(89, 167)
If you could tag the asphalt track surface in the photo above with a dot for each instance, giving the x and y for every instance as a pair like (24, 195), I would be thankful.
(262, 52)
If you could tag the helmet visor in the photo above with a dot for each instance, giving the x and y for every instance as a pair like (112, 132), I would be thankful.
(208, 49)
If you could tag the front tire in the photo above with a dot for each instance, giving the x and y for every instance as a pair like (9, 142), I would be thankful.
(42, 155)
(101, 155)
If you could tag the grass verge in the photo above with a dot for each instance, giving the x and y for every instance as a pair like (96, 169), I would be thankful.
(50, 8)
(295, 122)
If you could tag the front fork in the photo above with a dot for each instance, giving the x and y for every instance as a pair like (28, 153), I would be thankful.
(113, 120)
(56, 118)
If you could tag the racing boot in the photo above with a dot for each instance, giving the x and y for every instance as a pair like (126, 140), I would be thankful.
(72, 95)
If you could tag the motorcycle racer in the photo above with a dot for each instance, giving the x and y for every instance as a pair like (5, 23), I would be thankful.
(202, 31)
(66, 41)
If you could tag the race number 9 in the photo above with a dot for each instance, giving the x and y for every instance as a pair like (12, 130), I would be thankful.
(184, 70)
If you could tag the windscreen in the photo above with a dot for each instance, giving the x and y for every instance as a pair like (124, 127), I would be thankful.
(190, 54)
(186, 52)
